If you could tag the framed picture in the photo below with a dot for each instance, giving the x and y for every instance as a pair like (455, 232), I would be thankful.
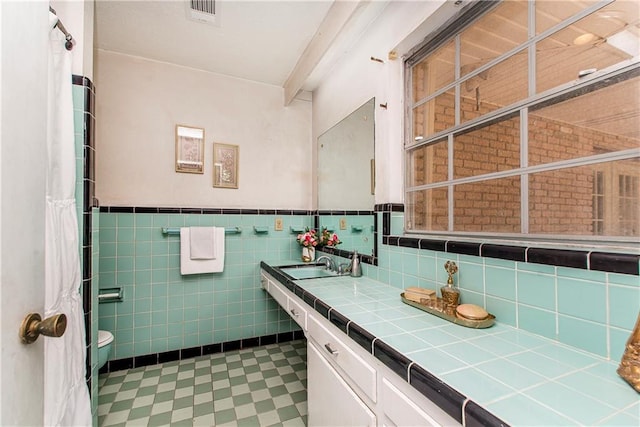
(225, 165)
(189, 149)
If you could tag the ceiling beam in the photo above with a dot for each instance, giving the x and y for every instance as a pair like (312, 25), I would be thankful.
(338, 15)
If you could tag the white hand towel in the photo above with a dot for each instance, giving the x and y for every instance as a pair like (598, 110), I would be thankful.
(202, 243)
(197, 266)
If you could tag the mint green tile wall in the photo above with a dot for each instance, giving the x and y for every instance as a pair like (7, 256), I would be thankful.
(163, 310)
(590, 310)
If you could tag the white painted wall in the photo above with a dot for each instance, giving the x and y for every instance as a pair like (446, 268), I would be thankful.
(138, 104)
(356, 78)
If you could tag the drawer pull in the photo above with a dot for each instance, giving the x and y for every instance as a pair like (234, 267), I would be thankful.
(294, 313)
(330, 350)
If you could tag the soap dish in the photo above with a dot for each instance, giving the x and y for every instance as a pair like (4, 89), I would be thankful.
(435, 307)
(471, 312)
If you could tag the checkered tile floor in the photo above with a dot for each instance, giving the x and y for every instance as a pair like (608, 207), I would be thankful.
(260, 386)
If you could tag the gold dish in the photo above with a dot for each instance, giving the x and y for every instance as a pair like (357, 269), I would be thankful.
(435, 307)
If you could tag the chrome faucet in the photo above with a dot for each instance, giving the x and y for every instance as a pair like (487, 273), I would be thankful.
(330, 263)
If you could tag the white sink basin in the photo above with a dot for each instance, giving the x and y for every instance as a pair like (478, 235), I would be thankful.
(308, 271)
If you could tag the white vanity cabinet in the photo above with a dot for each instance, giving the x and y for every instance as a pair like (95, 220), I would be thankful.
(400, 410)
(338, 352)
(330, 400)
(346, 385)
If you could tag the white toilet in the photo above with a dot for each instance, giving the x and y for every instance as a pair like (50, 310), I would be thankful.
(105, 338)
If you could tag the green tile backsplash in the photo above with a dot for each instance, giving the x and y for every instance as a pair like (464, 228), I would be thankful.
(162, 310)
(591, 310)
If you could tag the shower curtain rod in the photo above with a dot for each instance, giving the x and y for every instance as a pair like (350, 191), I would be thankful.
(70, 41)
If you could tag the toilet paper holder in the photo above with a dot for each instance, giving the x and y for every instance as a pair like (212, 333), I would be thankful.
(110, 295)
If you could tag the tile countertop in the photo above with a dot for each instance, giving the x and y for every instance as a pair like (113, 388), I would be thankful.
(520, 377)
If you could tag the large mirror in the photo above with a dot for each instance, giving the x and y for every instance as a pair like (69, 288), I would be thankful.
(346, 179)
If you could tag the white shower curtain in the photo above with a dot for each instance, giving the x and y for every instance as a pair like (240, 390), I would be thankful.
(66, 397)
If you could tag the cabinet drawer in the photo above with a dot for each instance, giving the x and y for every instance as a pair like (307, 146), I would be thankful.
(298, 312)
(401, 410)
(359, 371)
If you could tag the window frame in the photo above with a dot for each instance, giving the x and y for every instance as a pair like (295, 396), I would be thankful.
(451, 30)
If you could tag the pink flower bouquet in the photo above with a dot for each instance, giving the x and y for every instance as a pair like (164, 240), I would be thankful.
(329, 239)
(311, 238)
(308, 239)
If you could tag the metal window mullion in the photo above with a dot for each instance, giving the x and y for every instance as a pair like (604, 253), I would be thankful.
(537, 101)
(572, 19)
(409, 110)
(456, 102)
(631, 153)
(524, 164)
(450, 213)
(531, 50)
(456, 123)
(433, 95)
(450, 178)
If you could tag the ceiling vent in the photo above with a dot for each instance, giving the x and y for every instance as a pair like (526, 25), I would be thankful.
(203, 11)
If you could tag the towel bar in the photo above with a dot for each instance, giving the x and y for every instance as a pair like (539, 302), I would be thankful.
(172, 231)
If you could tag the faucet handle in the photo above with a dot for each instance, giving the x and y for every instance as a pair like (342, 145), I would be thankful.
(344, 268)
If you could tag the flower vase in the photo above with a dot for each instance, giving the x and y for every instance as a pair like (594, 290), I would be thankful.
(308, 253)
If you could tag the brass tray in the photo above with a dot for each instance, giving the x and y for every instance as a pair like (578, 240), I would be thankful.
(476, 324)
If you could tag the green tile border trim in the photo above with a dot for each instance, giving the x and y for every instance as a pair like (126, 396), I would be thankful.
(367, 259)
(622, 263)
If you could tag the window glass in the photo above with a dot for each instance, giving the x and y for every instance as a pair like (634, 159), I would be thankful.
(496, 33)
(434, 72)
(428, 164)
(488, 206)
(486, 149)
(428, 209)
(434, 116)
(601, 121)
(499, 86)
(595, 42)
(550, 13)
(599, 199)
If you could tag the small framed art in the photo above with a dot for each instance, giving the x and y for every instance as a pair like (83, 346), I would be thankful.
(189, 149)
(225, 165)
